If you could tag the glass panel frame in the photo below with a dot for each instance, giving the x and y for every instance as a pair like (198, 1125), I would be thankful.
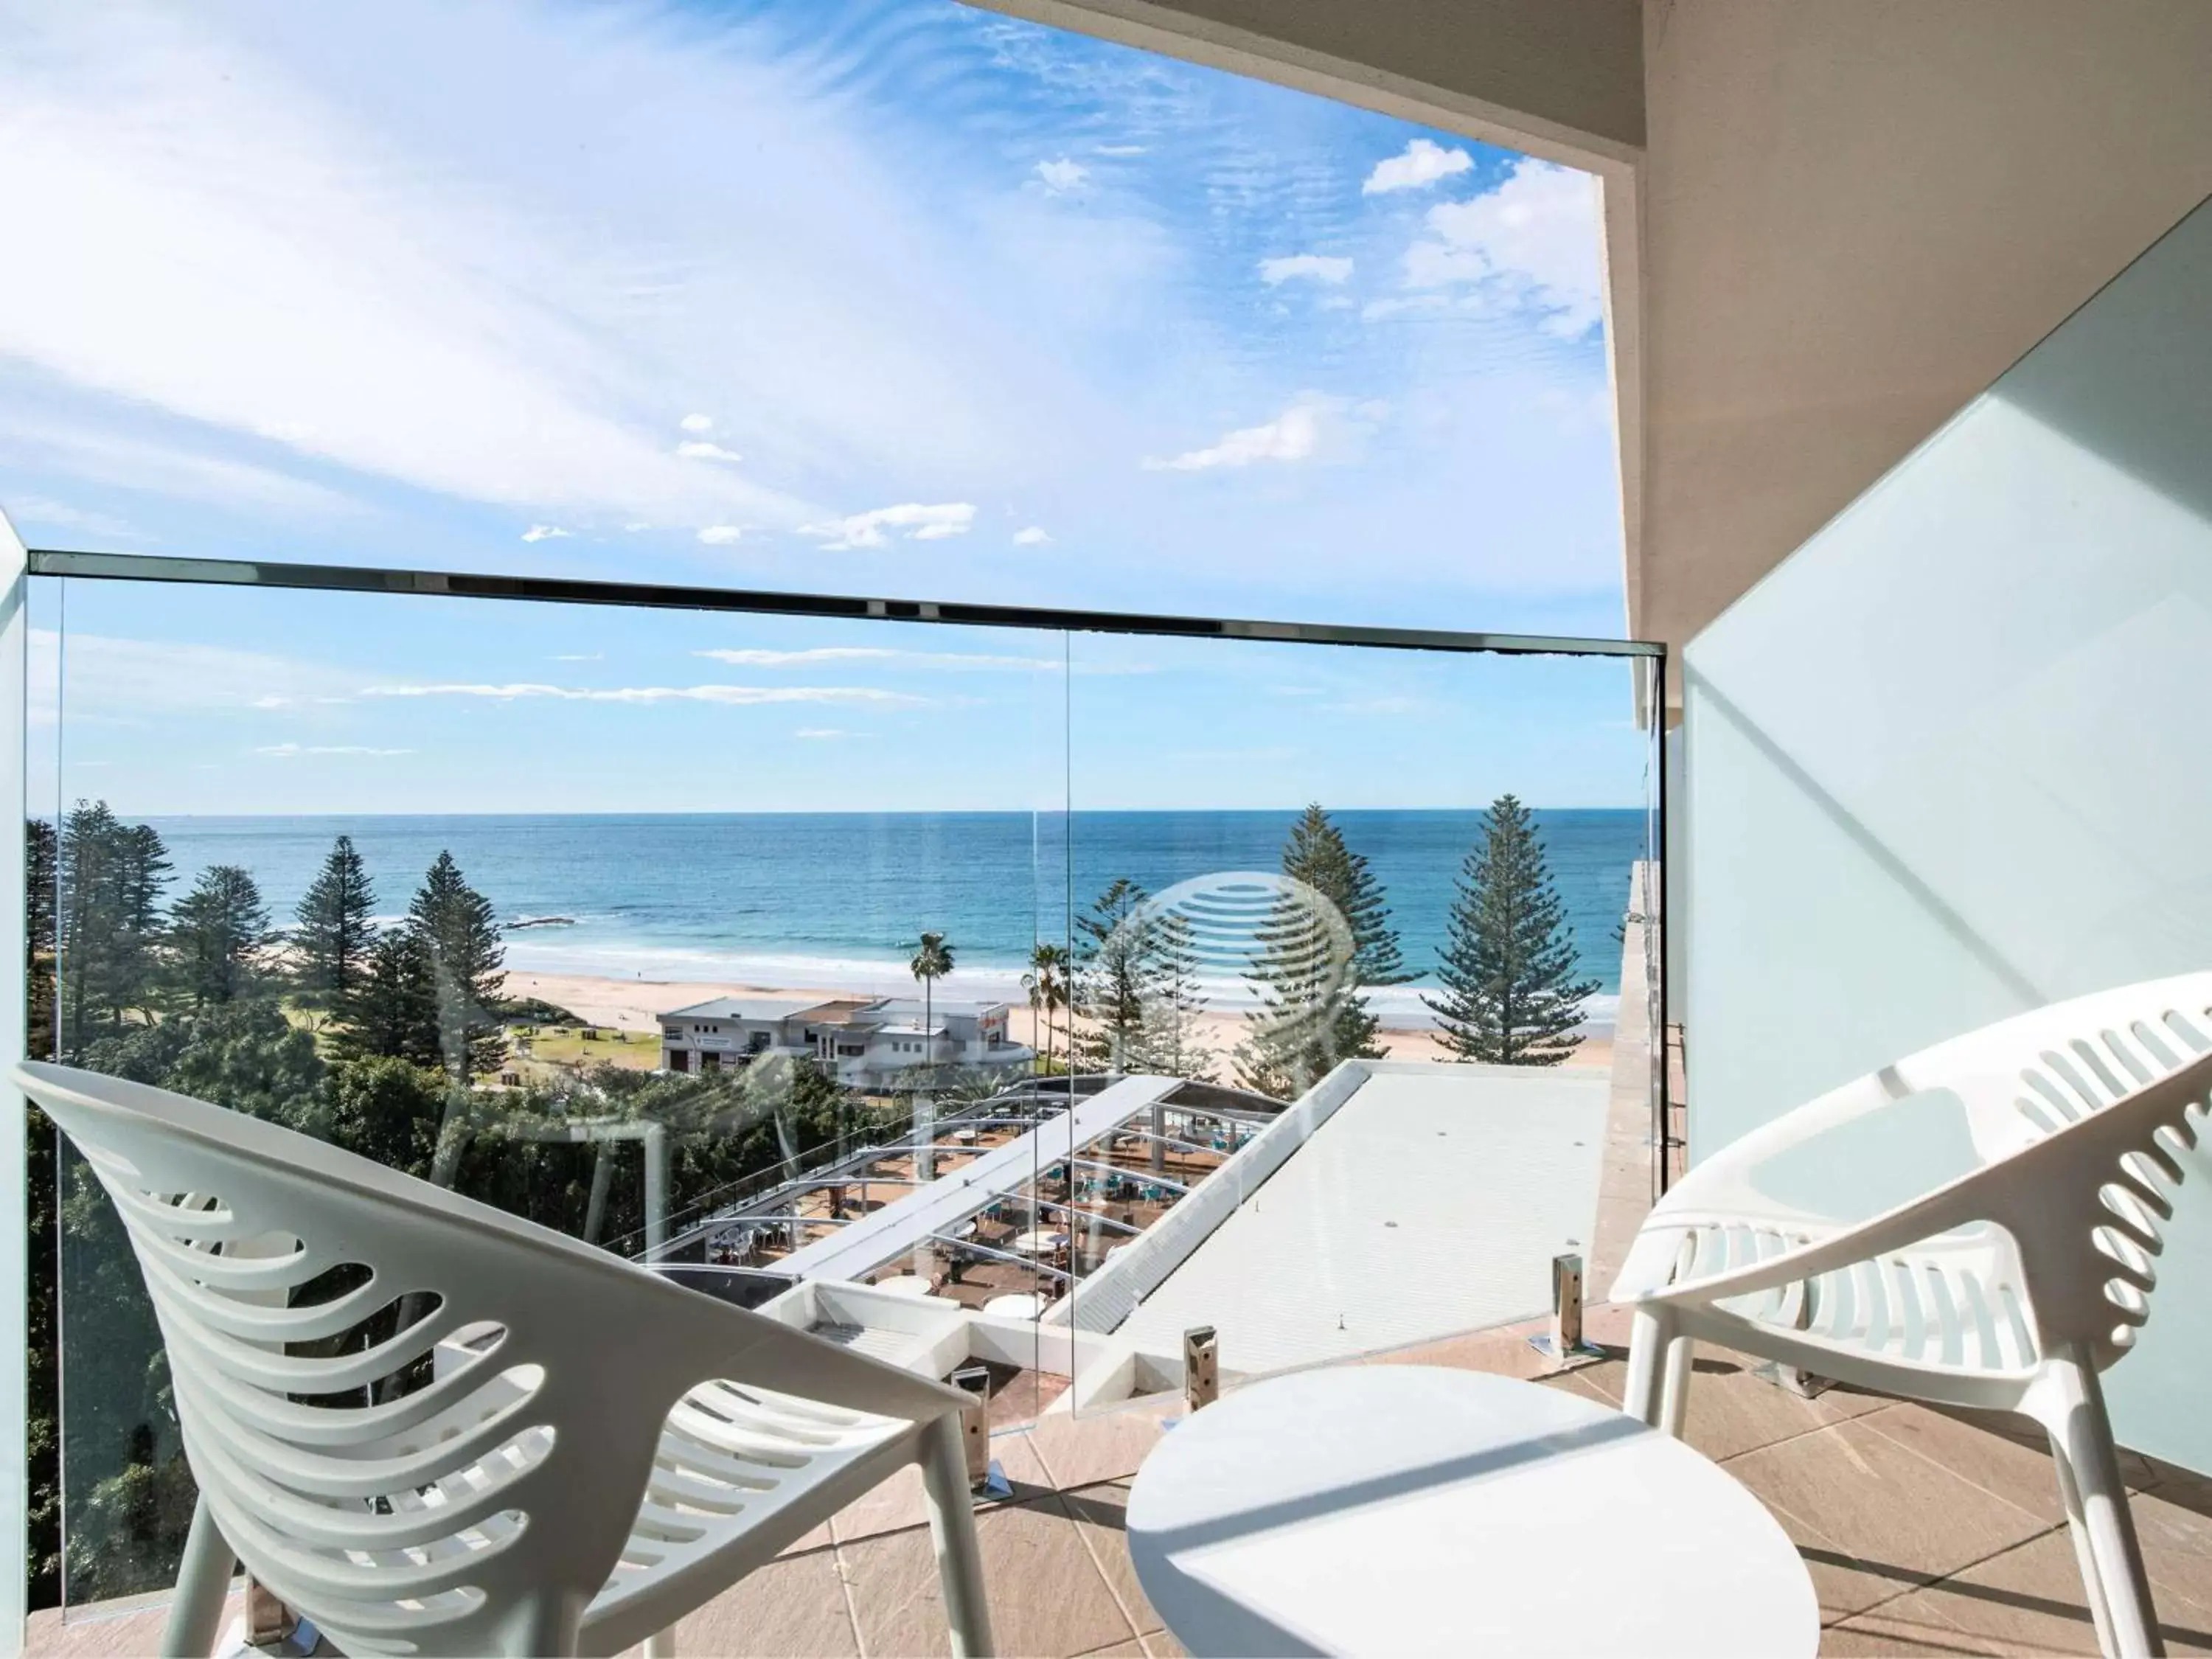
(1070, 1169)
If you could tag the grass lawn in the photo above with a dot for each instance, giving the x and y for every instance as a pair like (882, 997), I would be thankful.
(565, 1047)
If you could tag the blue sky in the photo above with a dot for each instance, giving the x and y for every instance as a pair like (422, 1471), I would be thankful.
(901, 299)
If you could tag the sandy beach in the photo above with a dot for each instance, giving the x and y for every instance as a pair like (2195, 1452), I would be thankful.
(636, 1005)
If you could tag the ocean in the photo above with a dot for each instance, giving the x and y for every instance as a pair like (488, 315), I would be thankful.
(836, 900)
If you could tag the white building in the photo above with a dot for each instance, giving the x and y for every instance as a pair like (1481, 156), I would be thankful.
(863, 1042)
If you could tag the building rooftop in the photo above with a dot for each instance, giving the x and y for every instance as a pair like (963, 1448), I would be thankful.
(1397, 1203)
(746, 1008)
(833, 1011)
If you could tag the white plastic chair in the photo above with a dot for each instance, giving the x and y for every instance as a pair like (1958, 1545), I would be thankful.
(2009, 1287)
(614, 1451)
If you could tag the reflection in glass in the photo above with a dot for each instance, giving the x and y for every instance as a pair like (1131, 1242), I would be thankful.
(860, 1025)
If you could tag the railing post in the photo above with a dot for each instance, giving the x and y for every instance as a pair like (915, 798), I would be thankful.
(985, 1480)
(1201, 1367)
(1566, 1305)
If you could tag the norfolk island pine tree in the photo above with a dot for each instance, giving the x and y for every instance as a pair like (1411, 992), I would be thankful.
(1511, 996)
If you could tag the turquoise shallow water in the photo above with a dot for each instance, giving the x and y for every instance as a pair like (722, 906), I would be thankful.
(838, 898)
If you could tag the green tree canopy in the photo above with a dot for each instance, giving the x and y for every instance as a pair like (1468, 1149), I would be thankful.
(217, 936)
(111, 878)
(1316, 854)
(1116, 976)
(394, 1012)
(1511, 995)
(1174, 1039)
(1310, 968)
(334, 934)
(456, 926)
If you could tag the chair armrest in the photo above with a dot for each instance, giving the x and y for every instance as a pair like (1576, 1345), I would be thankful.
(1719, 1190)
(713, 1342)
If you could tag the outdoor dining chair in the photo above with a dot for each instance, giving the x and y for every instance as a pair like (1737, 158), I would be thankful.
(604, 1452)
(2010, 1284)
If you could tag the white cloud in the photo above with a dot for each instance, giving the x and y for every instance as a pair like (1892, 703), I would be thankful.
(700, 450)
(1301, 431)
(148, 466)
(748, 658)
(362, 266)
(733, 695)
(287, 750)
(1123, 149)
(1328, 268)
(1531, 243)
(953, 660)
(921, 523)
(722, 535)
(543, 532)
(582, 656)
(1035, 536)
(698, 423)
(109, 679)
(823, 733)
(1420, 164)
(1063, 175)
(44, 509)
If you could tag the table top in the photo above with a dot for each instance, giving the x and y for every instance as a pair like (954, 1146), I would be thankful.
(904, 1285)
(1406, 1508)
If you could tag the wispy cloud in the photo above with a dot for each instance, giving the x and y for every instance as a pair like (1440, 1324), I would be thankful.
(1063, 175)
(314, 289)
(543, 532)
(108, 676)
(701, 449)
(823, 734)
(915, 520)
(749, 657)
(734, 695)
(1298, 434)
(1531, 243)
(1327, 268)
(288, 750)
(950, 661)
(44, 509)
(582, 656)
(722, 535)
(1421, 163)
(1035, 536)
(697, 423)
(155, 466)
(1381, 705)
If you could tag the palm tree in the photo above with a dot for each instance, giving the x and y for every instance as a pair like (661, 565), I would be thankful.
(932, 961)
(1047, 984)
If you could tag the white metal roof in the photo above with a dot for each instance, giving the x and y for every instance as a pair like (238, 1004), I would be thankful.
(1429, 1203)
(952, 1198)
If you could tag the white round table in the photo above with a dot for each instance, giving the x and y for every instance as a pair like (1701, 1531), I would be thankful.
(1040, 1241)
(1404, 1508)
(1019, 1304)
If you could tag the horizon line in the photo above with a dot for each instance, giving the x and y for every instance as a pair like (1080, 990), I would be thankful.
(838, 811)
